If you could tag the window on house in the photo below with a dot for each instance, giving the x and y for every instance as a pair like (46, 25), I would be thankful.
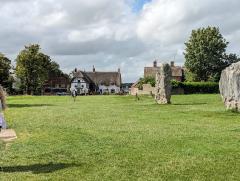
(112, 91)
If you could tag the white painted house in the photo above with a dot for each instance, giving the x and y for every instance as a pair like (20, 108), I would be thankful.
(81, 85)
(96, 82)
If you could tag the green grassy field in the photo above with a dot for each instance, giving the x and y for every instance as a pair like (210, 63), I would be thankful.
(118, 138)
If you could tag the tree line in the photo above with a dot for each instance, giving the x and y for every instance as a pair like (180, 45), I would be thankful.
(32, 69)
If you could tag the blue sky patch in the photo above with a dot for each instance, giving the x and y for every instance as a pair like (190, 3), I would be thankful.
(138, 4)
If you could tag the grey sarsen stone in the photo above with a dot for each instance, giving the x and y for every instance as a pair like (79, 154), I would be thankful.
(229, 86)
(163, 84)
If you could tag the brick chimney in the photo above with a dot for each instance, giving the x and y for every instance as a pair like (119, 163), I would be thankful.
(93, 68)
(172, 63)
(155, 63)
(119, 70)
(75, 70)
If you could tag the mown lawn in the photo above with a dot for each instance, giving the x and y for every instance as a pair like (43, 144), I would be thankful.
(118, 138)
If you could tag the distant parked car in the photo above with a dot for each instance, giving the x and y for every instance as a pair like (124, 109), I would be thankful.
(61, 93)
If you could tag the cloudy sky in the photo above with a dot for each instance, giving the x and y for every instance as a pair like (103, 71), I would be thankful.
(128, 34)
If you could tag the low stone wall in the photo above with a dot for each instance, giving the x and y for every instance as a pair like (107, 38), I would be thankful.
(148, 90)
(133, 91)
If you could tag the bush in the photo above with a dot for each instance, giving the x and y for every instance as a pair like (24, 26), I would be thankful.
(176, 84)
(188, 87)
(197, 87)
(147, 80)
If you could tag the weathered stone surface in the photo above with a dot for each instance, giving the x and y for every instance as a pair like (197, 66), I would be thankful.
(229, 86)
(163, 84)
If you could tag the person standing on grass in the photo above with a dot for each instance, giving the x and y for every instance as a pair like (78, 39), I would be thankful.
(3, 106)
(73, 91)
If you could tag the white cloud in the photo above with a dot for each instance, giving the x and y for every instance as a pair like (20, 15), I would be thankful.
(106, 33)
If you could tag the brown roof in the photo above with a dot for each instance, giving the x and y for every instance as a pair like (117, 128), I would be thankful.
(177, 71)
(135, 84)
(83, 75)
(78, 74)
(98, 78)
(106, 78)
(57, 80)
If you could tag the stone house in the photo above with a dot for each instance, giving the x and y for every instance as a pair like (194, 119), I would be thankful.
(96, 82)
(177, 74)
(177, 71)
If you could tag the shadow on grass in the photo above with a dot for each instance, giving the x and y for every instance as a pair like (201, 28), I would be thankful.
(173, 104)
(189, 104)
(38, 168)
(27, 105)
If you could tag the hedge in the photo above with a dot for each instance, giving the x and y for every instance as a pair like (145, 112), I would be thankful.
(197, 87)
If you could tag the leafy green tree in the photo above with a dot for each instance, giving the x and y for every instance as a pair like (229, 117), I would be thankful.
(230, 58)
(190, 77)
(54, 70)
(5, 74)
(32, 68)
(146, 80)
(227, 60)
(205, 54)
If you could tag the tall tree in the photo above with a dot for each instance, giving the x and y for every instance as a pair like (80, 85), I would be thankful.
(54, 69)
(5, 67)
(32, 67)
(205, 53)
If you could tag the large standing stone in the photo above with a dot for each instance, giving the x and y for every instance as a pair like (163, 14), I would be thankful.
(163, 84)
(229, 86)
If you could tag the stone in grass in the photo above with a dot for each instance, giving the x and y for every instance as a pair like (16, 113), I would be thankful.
(229, 86)
(163, 84)
(7, 135)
